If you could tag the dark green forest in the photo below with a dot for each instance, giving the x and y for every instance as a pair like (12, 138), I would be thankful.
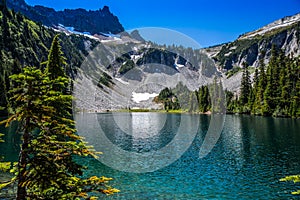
(168, 99)
(273, 90)
(26, 43)
(208, 98)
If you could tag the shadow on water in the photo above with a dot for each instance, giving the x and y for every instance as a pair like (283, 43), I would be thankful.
(11, 147)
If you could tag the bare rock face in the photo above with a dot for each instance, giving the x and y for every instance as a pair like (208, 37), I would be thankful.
(249, 47)
(94, 22)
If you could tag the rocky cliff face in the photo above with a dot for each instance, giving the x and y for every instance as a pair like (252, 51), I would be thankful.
(249, 47)
(94, 22)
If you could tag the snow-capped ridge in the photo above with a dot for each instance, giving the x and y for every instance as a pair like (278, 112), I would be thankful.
(283, 22)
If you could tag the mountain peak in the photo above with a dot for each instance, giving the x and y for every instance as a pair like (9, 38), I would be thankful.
(283, 22)
(95, 22)
(105, 9)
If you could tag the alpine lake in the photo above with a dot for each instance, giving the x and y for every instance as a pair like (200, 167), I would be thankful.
(156, 155)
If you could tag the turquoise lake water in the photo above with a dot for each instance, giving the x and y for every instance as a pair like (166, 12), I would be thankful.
(160, 155)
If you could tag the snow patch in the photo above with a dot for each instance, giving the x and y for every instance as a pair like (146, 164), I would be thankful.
(135, 57)
(138, 97)
(111, 35)
(177, 66)
(109, 39)
(228, 54)
(121, 81)
(71, 30)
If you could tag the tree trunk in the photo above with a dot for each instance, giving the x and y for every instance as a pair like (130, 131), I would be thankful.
(21, 192)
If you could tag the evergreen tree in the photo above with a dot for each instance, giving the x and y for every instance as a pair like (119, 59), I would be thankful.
(192, 103)
(207, 99)
(214, 92)
(256, 80)
(55, 70)
(281, 73)
(245, 85)
(294, 110)
(285, 86)
(262, 80)
(221, 98)
(255, 92)
(5, 29)
(271, 90)
(169, 100)
(203, 98)
(47, 168)
(56, 61)
(229, 101)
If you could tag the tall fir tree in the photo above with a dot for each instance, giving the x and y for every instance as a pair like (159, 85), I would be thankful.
(47, 168)
(245, 85)
(272, 86)
(255, 92)
(294, 109)
(204, 99)
(256, 80)
(262, 84)
(56, 62)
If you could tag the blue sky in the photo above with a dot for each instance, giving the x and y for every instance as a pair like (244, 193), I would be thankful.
(209, 22)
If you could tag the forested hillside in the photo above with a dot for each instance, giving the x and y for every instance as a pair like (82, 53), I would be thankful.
(26, 43)
(274, 90)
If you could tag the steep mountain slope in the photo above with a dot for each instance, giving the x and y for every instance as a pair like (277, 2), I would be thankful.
(95, 22)
(25, 43)
(249, 47)
(129, 73)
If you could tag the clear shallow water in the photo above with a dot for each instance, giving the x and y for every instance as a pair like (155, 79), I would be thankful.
(250, 157)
